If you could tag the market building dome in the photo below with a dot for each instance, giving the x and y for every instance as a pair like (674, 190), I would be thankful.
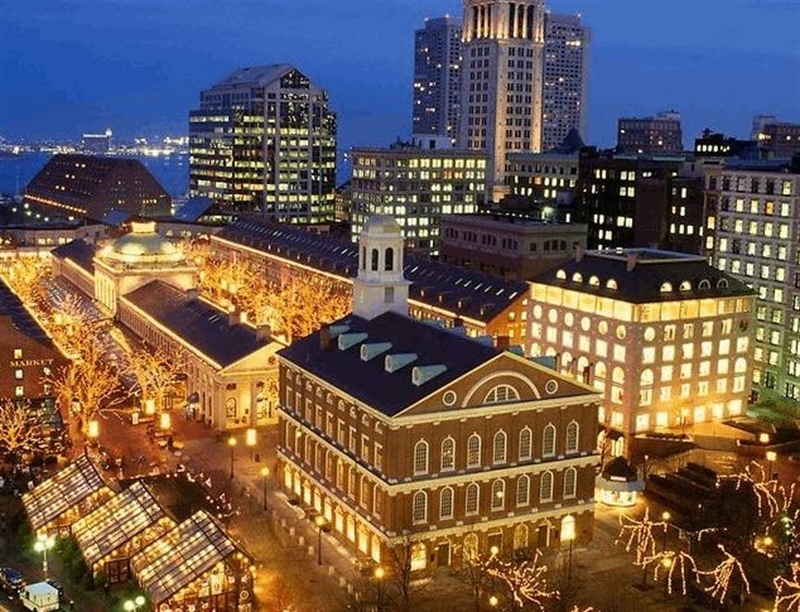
(143, 245)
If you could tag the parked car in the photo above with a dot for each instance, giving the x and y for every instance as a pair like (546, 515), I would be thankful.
(11, 580)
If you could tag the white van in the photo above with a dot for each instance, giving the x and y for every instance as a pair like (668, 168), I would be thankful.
(39, 597)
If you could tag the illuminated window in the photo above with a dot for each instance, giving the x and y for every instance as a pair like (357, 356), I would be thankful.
(549, 440)
(17, 353)
(474, 451)
(501, 393)
(546, 487)
(525, 443)
(421, 457)
(420, 507)
(523, 490)
(472, 499)
(446, 503)
(448, 460)
(498, 495)
(570, 482)
(572, 438)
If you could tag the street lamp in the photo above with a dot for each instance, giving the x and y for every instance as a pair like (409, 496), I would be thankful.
(493, 601)
(771, 456)
(232, 444)
(250, 440)
(265, 474)
(320, 521)
(570, 537)
(665, 516)
(44, 543)
(666, 562)
(379, 575)
(134, 604)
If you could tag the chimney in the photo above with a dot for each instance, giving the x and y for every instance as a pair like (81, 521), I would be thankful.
(324, 338)
(631, 262)
(502, 342)
(191, 295)
(579, 251)
(233, 316)
(263, 332)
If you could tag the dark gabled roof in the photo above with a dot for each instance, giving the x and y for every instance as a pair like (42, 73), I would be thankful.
(194, 208)
(368, 381)
(21, 319)
(256, 75)
(196, 322)
(79, 251)
(643, 276)
(468, 293)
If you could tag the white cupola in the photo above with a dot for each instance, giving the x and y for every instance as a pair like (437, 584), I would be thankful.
(380, 286)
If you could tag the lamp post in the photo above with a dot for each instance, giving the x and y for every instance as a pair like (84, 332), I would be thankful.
(665, 516)
(93, 432)
(265, 474)
(320, 521)
(232, 444)
(571, 538)
(667, 563)
(44, 543)
(379, 575)
(134, 604)
(771, 457)
(250, 440)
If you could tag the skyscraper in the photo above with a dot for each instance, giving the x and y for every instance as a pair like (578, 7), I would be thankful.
(501, 89)
(566, 78)
(264, 140)
(437, 78)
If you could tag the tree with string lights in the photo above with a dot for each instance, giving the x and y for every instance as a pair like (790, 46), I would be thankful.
(525, 582)
(787, 591)
(728, 580)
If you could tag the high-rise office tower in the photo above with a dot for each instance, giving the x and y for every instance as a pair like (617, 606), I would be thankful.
(501, 81)
(264, 140)
(650, 135)
(566, 78)
(437, 77)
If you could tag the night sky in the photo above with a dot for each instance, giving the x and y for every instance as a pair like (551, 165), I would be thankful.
(67, 67)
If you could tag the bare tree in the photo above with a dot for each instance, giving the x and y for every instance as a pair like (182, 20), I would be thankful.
(401, 575)
(525, 583)
(18, 431)
(473, 571)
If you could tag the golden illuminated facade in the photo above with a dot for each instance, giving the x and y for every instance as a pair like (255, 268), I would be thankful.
(417, 187)
(667, 338)
(264, 141)
(752, 225)
(501, 82)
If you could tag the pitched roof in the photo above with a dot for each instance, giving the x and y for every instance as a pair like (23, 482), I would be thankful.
(196, 322)
(184, 554)
(467, 293)
(21, 319)
(260, 75)
(369, 381)
(644, 275)
(120, 519)
(55, 496)
(79, 251)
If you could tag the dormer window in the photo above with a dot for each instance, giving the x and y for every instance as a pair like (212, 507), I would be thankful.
(666, 287)
(561, 275)
(704, 284)
(686, 286)
(577, 277)
(722, 283)
(611, 284)
(594, 281)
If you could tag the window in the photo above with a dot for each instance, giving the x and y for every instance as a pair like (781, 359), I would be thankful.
(546, 487)
(498, 495)
(549, 440)
(472, 499)
(570, 482)
(446, 503)
(17, 353)
(421, 457)
(474, 451)
(448, 460)
(374, 262)
(499, 447)
(501, 393)
(523, 490)
(389, 259)
(525, 443)
(572, 437)
(419, 512)
(378, 461)
(18, 373)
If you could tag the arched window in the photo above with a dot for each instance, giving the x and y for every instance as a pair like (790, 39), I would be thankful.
(600, 370)
(570, 482)
(448, 459)
(561, 275)
(498, 495)
(577, 277)
(420, 508)
(666, 287)
(389, 259)
(525, 443)
(685, 286)
(740, 365)
(421, 457)
(499, 447)
(521, 537)
(446, 503)
(722, 283)
(374, 262)
(501, 393)
(546, 487)
(594, 281)
(618, 375)
(472, 499)
(573, 431)
(419, 556)
(474, 451)
(549, 440)
(471, 545)
(646, 379)
(523, 490)
(611, 284)
(704, 284)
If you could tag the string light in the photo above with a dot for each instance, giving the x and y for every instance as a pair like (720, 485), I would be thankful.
(729, 569)
(772, 497)
(525, 580)
(787, 591)
(638, 535)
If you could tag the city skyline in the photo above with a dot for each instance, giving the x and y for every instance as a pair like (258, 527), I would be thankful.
(71, 67)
